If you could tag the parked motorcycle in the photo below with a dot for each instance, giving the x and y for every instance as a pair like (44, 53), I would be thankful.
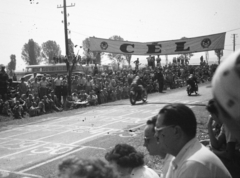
(135, 96)
(191, 89)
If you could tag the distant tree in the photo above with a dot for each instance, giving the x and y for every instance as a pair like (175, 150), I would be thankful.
(31, 53)
(70, 47)
(49, 50)
(90, 56)
(219, 54)
(118, 57)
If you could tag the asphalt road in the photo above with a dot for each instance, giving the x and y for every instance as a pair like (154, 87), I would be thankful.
(34, 149)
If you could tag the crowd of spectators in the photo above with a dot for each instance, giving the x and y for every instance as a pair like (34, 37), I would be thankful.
(51, 94)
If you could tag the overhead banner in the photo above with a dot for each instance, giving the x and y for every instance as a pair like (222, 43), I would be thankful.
(182, 46)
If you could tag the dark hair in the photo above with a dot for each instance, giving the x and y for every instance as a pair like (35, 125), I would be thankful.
(211, 107)
(89, 168)
(152, 121)
(180, 115)
(125, 156)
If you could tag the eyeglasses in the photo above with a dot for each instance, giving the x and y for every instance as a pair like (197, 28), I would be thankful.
(162, 128)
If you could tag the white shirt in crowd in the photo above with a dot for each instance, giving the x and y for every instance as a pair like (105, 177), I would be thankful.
(194, 161)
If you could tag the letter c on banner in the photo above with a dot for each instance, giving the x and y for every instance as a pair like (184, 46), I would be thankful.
(123, 48)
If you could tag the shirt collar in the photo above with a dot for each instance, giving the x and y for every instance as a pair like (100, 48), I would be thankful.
(182, 152)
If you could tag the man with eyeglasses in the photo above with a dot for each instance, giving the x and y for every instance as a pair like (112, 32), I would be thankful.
(153, 147)
(176, 132)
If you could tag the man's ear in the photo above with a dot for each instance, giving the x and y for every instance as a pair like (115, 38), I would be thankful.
(177, 131)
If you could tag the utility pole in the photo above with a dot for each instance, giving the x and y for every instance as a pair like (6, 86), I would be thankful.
(65, 24)
(234, 41)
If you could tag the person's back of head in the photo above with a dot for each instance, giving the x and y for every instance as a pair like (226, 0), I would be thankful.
(87, 168)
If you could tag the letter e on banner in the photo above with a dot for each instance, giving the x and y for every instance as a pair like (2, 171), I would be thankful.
(154, 48)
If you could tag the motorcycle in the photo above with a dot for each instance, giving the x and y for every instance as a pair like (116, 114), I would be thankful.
(191, 90)
(135, 95)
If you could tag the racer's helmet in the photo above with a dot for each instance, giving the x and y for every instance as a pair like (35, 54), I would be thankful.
(226, 85)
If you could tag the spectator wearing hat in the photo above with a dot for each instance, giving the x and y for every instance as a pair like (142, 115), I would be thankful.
(225, 88)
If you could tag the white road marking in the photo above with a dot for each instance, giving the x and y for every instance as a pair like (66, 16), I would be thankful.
(50, 160)
(23, 174)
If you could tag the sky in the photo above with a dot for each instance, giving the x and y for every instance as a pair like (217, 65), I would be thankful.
(133, 20)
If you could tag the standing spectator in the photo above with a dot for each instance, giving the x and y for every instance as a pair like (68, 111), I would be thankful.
(81, 82)
(158, 61)
(74, 84)
(35, 87)
(136, 64)
(3, 83)
(153, 62)
(130, 77)
(14, 77)
(57, 84)
(177, 138)
(23, 88)
(43, 87)
(64, 92)
(159, 78)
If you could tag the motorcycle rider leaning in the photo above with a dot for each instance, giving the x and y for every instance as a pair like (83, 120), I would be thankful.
(138, 84)
(192, 81)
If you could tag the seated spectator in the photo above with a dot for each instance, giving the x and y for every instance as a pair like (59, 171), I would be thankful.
(153, 147)
(224, 145)
(17, 111)
(52, 103)
(31, 106)
(177, 138)
(85, 168)
(6, 110)
(55, 100)
(47, 104)
(69, 102)
(92, 98)
(41, 106)
(83, 96)
(128, 162)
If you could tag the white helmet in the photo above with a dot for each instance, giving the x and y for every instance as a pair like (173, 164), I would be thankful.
(226, 85)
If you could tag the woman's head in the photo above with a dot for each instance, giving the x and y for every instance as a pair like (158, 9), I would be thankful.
(124, 158)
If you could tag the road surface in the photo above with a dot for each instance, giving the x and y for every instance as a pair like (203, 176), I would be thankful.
(34, 150)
